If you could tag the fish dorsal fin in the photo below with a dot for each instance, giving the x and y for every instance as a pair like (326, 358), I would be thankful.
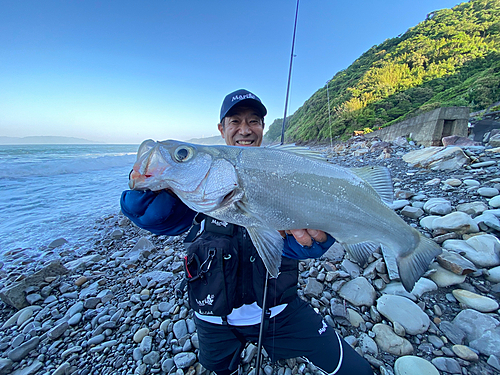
(299, 150)
(379, 178)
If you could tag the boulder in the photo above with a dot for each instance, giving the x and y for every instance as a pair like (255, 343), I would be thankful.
(15, 295)
(455, 140)
(437, 158)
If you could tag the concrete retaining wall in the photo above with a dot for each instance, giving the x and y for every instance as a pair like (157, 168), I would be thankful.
(429, 128)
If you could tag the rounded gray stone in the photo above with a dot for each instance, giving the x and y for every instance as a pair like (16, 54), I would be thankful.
(405, 312)
(359, 292)
(180, 329)
(412, 365)
(184, 360)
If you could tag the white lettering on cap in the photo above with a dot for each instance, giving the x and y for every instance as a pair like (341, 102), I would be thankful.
(241, 97)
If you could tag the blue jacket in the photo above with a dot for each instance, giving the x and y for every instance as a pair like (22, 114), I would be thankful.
(163, 213)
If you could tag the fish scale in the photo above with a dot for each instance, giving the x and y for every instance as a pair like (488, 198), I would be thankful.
(266, 189)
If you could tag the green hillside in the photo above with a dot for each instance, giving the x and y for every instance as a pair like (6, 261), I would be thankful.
(450, 59)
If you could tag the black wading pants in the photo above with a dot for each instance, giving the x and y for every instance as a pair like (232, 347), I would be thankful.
(298, 331)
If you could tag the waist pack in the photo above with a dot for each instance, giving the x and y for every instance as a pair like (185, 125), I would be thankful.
(211, 267)
(223, 271)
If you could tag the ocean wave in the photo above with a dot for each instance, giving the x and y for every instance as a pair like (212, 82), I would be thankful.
(64, 166)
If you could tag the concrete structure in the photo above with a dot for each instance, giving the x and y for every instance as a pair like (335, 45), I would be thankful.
(429, 128)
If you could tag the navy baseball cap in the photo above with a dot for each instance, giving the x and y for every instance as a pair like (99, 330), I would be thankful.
(241, 96)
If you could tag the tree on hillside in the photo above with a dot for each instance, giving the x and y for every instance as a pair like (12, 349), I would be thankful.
(451, 58)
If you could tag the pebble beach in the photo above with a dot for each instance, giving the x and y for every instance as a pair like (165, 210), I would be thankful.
(113, 309)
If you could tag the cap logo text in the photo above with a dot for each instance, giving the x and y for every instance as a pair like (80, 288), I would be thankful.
(241, 97)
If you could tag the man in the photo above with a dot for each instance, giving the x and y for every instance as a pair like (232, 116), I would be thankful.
(291, 327)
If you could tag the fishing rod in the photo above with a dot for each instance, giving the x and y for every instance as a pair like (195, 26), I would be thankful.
(289, 74)
(264, 307)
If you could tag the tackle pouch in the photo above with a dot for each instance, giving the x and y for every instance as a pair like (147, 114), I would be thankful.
(210, 267)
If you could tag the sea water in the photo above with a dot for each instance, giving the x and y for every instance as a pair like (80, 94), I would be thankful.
(53, 191)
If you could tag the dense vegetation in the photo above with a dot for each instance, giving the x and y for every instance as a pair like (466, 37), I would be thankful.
(450, 59)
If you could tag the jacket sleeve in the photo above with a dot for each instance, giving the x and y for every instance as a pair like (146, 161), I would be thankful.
(158, 212)
(292, 249)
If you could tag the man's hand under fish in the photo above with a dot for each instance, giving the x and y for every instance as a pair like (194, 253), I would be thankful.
(305, 237)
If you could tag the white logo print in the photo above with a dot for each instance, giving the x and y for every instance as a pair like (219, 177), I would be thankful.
(209, 300)
(219, 223)
(323, 329)
(241, 97)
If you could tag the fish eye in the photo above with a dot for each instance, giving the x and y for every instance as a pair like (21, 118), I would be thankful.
(182, 154)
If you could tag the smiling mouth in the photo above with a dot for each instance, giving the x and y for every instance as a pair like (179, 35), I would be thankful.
(245, 142)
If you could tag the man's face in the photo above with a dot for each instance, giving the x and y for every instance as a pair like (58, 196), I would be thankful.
(243, 126)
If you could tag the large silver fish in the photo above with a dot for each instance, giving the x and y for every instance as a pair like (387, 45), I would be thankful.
(282, 188)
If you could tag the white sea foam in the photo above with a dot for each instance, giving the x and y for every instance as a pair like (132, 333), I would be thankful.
(47, 192)
(58, 167)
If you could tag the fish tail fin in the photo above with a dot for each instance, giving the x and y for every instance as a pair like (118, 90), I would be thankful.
(269, 245)
(415, 263)
(361, 251)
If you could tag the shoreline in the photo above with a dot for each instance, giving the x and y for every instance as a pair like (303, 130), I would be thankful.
(115, 310)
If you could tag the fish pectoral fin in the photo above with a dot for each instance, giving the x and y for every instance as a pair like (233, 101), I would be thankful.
(269, 245)
(361, 251)
(415, 263)
(379, 178)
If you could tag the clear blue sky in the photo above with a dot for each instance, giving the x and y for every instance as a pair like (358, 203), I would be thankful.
(124, 71)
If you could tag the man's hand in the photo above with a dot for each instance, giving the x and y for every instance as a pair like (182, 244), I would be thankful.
(305, 237)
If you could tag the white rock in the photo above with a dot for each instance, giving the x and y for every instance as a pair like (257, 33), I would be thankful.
(495, 202)
(489, 220)
(455, 182)
(434, 181)
(437, 206)
(140, 334)
(427, 221)
(354, 318)
(411, 365)
(475, 301)
(423, 286)
(469, 182)
(437, 158)
(399, 204)
(368, 345)
(494, 212)
(472, 208)
(24, 316)
(488, 192)
(397, 289)
(487, 244)
(482, 250)
(82, 261)
(405, 312)
(13, 319)
(465, 352)
(458, 222)
(494, 275)
(444, 278)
